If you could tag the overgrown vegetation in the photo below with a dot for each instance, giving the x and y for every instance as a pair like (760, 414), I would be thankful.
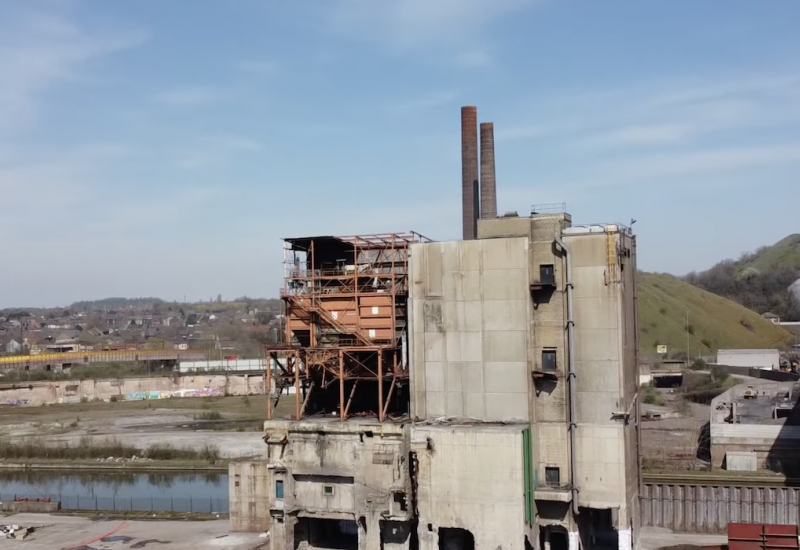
(714, 322)
(702, 387)
(210, 415)
(93, 371)
(88, 448)
(651, 395)
(760, 281)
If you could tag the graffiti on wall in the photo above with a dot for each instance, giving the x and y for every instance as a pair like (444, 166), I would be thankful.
(69, 399)
(16, 402)
(142, 395)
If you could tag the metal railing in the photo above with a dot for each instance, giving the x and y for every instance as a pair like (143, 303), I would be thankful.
(152, 503)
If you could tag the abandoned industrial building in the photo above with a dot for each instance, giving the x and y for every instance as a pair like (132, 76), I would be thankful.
(473, 394)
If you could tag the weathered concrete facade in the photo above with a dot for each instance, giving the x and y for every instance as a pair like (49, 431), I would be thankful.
(338, 484)
(523, 430)
(469, 342)
(512, 285)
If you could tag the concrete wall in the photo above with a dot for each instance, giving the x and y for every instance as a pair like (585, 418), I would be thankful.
(73, 391)
(249, 496)
(756, 358)
(469, 334)
(606, 369)
(471, 477)
(365, 462)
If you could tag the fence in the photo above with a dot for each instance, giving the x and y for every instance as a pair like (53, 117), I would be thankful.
(132, 503)
(774, 375)
(709, 509)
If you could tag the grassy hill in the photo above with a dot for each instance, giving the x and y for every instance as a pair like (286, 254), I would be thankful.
(783, 254)
(765, 280)
(714, 322)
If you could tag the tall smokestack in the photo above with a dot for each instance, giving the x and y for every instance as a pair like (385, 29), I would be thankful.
(488, 184)
(469, 172)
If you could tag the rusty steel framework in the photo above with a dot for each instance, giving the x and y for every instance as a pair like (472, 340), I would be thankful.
(345, 306)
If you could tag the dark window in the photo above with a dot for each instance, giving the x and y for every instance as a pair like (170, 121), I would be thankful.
(327, 490)
(278, 488)
(552, 476)
(547, 274)
(548, 359)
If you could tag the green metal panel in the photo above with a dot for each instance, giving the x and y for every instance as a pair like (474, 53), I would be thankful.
(528, 474)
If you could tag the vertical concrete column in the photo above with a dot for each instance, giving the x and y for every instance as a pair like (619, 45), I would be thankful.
(625, 542)
(373, 534)
(283, 540)
(574, 540)
(362, 536)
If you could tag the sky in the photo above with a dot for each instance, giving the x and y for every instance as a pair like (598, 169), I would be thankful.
(163, 148)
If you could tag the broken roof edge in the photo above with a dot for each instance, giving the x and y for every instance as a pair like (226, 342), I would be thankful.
(373, 240)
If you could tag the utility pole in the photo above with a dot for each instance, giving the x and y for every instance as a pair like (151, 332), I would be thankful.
(687, 337)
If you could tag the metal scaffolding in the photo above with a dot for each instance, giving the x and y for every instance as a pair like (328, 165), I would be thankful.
(345, 339)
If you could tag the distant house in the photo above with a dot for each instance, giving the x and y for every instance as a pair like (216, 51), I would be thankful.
(13, 347)
(772, 318)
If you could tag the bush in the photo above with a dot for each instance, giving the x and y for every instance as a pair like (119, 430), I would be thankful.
(718, 373)
(698, 364)
(210, 415)
(651, 395)
(682, 407)
(89, 449)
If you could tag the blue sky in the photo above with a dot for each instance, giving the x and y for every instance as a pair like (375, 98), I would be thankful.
(163, 147)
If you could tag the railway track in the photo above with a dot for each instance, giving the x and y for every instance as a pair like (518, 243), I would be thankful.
(705, 478)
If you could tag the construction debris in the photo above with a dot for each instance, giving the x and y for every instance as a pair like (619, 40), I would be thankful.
(16, 531)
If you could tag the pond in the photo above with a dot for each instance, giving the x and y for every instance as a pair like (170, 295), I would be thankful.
(121, 490)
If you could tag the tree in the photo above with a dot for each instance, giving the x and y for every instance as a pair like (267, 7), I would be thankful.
(264, 317)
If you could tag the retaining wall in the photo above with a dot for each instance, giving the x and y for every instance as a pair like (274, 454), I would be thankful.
(73, 391)
(30, 506)
(709, 509)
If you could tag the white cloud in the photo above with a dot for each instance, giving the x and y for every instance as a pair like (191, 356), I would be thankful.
(457, 27)
(641, 135)
(423, 102)
(258, 66)
(39, 50)
(190, 97)
(212, 150)
(664, 113)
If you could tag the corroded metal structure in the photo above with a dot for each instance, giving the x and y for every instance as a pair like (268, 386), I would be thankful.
(346, 316)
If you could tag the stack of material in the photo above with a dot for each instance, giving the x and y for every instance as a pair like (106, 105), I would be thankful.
(16, 531)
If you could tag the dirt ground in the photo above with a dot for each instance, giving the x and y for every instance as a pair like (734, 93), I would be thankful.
(671, 443)
(56, 532)
(183, 422)
(73, 533)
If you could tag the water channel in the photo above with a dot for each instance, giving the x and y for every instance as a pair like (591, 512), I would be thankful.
(165, 492)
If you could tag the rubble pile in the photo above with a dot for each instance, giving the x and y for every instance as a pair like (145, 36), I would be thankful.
(16, 531)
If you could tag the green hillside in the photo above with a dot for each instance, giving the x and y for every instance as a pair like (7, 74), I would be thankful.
(714, 322)
(783, 254)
